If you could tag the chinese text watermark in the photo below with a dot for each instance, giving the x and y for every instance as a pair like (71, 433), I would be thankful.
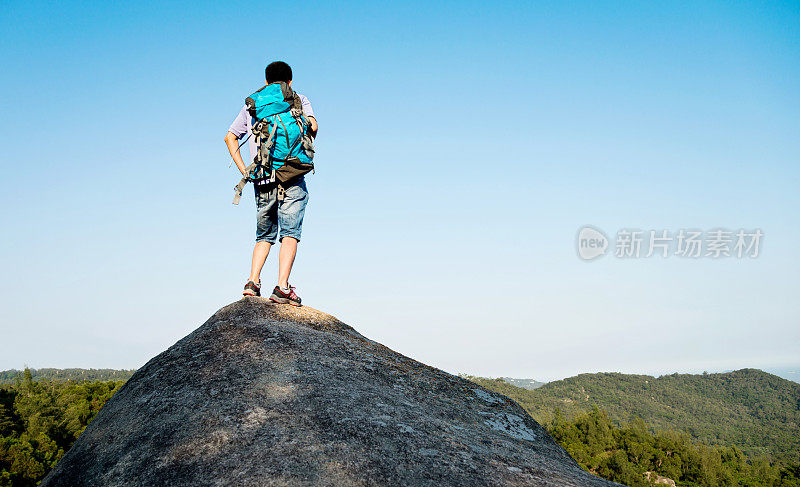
(683, 243)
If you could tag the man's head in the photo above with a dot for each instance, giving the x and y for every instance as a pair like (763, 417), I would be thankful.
(278, 71)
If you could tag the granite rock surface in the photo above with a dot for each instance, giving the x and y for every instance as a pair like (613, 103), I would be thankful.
(270, 395)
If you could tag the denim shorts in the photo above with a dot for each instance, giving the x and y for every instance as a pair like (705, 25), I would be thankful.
(286, 215)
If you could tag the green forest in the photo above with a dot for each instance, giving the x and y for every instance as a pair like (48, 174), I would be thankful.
(41, 419)
(736, 428)
(627, 453)
(10, 376)
(756, 411)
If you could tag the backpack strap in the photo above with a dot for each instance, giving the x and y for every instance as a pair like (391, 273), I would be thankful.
(296, 110)
(237, 190)
(250, 171)
(302, 121)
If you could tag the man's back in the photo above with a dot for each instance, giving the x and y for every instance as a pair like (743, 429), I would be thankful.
(243, 123)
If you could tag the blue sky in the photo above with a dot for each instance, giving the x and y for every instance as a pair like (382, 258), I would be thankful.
(461, 146)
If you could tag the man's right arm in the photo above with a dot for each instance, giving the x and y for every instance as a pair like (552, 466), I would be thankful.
(308, 111)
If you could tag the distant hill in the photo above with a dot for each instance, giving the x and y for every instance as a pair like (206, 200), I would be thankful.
(8, 376)
(529, 384)
(751, 409)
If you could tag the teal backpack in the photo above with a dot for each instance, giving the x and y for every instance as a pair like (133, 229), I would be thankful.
(284, 146)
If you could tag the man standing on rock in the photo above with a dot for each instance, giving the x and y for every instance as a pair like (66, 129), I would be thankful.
(281, 201)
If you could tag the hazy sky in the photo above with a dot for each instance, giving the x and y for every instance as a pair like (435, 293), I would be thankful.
(462, 145)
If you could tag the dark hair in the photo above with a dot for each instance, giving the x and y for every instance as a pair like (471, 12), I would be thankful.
(278, 71)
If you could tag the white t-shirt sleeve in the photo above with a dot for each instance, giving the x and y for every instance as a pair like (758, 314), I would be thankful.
(307, 110)
(240, 125)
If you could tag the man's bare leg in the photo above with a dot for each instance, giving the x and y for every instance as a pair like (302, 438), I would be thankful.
(260, 253)
(286, 260)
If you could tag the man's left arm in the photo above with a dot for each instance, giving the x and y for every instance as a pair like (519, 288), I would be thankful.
(236, 131)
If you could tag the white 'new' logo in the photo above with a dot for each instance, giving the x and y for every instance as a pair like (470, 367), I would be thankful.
(592, 243)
